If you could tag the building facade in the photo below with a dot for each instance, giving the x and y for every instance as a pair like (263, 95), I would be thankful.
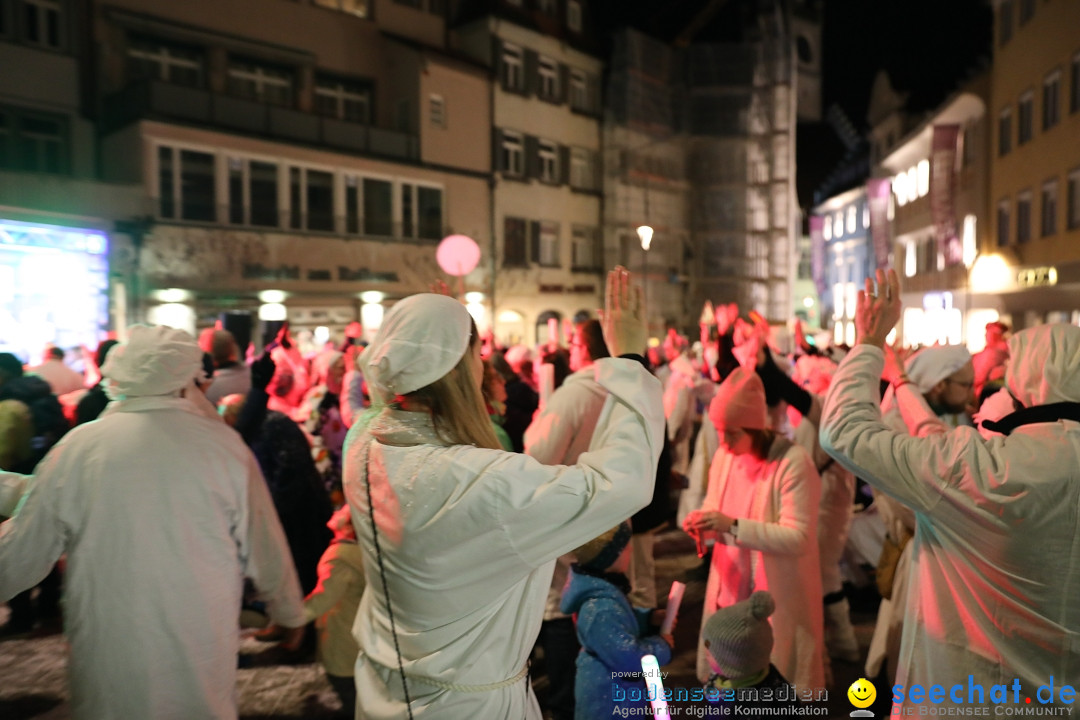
(939, 179)
(848, 259)
(305, 168)
(1032, 271)
(545, 149)
(59, 255)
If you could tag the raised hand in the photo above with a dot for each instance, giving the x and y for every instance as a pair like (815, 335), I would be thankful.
(623, 318)
(877, 313)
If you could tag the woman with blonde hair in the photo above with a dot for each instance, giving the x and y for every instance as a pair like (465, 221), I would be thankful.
(459, 537)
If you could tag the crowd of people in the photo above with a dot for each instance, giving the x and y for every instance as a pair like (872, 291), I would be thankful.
(431, 509)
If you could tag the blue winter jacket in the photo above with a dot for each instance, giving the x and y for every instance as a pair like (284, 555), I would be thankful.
(614, 637)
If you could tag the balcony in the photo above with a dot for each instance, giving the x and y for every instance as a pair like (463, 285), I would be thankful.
(156, 100)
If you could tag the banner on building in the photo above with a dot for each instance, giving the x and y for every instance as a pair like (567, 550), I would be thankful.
(943, 192)
(878, 192)
(817, 253)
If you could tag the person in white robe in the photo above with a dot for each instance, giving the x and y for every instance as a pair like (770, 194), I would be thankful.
(995, 552)
(162, 512)
(459, 538)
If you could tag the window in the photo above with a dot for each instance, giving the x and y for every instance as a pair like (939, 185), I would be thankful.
(353, 7)
(513, 68)
(32, 141)
(254, 81)
(186, 183)
(438, 110)
(1027, 11)
(826, 230)
(1024, 130)
(1072, 219)
(586, 248)
(311, 197)
(573, 15)
(548, 243)
(548, 74)
(515, 242)
(582, 169)
(41, 24)
(579, 91)
(1005, 132)
(421, 209)
(548, 153)
(1051, 100)
(1003, 223)
(157, 60)
(378, 207)
(1048, 208)
(1023, 217)
(1074, 84)
(512, 161)
(253, 193)
(1005, 21)
(851, 212)
(347, 100)
(429, 210)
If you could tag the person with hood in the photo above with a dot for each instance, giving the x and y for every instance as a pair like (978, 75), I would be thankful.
(460, 538)
(995, 553)
(762, 510)
(162, 512)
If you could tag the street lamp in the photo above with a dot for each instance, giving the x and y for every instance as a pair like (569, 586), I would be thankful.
(645, 232)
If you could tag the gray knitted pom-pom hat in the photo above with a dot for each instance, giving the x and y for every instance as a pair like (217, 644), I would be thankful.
(740, 637)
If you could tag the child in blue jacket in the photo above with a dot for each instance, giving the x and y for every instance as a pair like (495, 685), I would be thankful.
(614, 635)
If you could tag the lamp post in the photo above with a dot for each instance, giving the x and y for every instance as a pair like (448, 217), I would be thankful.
(645, 232)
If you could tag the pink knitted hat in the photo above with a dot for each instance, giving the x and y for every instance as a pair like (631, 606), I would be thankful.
(739, 402)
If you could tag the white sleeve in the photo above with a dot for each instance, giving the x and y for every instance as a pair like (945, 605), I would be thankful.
(33, 540)
(547, 511)
(267, 559)
(12, 486)
(916, 471)
(552, 430)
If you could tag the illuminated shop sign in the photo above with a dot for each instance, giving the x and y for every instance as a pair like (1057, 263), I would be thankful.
(1037, 277)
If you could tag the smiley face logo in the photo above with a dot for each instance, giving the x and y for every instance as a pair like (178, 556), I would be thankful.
(862, 693)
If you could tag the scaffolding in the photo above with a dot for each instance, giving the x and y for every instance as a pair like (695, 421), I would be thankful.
(700, 145)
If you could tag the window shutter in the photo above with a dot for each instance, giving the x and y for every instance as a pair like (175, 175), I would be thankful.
(564, 165)
(496, 150)
(497, 64)
(534, 241)
(564, 84)
(532, 72)
(532, 156)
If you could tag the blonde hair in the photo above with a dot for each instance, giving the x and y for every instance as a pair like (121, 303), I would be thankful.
(457, 405)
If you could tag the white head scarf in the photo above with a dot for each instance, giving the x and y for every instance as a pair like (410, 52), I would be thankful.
(1045, 365)
(930, 366)
(155, 360)
(422, 338)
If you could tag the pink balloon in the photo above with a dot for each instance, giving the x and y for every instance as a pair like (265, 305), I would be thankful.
(458, 255)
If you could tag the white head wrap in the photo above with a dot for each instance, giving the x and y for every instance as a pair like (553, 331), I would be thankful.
(1045, 365)
(930, 366)
(155, 360)
(422, 338)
